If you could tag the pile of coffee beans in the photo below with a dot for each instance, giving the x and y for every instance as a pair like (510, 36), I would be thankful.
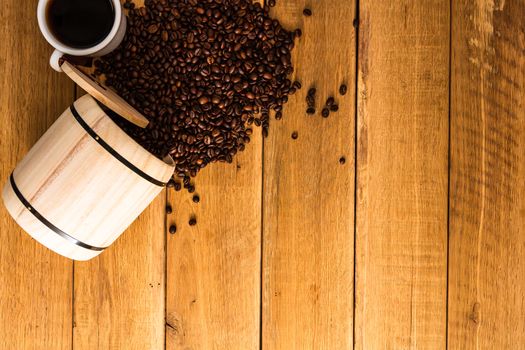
(202, 72)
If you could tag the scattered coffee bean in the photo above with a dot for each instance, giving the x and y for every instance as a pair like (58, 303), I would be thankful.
(310, 110)
(310, 100)
(342, 160)
(169, 209)
(330, 101)
(178, 186)
(334, 108)
(325, 112)
(298, 33)
(342, 89)
(191, 188)
(170, 183)
(297, 85)
(278, 115)
(196, 199)
(173, 229)
(295, 135)
(307, 12)
(355, 23)
(193, 221)
(312, 91)
(271, 3)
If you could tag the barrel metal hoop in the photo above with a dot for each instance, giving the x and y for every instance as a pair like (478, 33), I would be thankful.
(49, 225)
(111, 150)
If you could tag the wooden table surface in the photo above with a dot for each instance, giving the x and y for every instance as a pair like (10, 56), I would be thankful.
(416, 242)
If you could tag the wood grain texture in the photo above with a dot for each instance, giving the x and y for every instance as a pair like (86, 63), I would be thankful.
(487, 200)
(213, 269)
(76, 184)
(119, 297)
(35, 283)
(105, 95)
(308, 228)
(402, 176)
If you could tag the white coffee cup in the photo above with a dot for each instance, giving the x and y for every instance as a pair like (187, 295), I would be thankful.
(110, 42)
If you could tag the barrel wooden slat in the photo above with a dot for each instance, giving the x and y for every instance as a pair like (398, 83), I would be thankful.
(79, 186)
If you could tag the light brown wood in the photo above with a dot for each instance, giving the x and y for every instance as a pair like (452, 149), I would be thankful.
(308, 205)
(104, 95)
(213, 298)
(487, 194)
(119, 296)
(213, 268)
(119, 303)
(35, 283)
(104, 316)
(79, 187)
(402, 176)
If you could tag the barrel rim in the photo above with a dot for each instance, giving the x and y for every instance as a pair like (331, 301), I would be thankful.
(167, 162)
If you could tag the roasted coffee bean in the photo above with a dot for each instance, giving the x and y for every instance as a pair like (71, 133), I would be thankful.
(169, 209)
(310, 110)
(342, 160)
(196, 199)
(307, 12)
(342, 89)
(278, 115)
(193, 221)
(312, 91)
(334, 108)
(310, 101)
(298, 33)
(295, 135)
(330, 101)
(201, 72)
(153, 28)
(177, 186)
(170, 183)
(325, 112)
(173, 229)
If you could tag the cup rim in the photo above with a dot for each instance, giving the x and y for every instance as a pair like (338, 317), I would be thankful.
(46, 32)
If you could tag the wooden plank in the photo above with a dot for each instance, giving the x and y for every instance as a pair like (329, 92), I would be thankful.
(35, 283)
(213, 278)
(402, 176)
(119, 299)
(120, 296)
(214, 267)
(487, 200)
(308, 230)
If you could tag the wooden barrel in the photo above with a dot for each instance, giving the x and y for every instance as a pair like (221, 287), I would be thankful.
(83, 183)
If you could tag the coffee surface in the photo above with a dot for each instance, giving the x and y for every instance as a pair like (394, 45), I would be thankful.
(80, 23)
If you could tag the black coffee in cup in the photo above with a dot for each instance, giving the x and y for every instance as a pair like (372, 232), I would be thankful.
(80, 23)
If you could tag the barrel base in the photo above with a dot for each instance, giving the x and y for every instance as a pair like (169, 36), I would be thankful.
(40, 232)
